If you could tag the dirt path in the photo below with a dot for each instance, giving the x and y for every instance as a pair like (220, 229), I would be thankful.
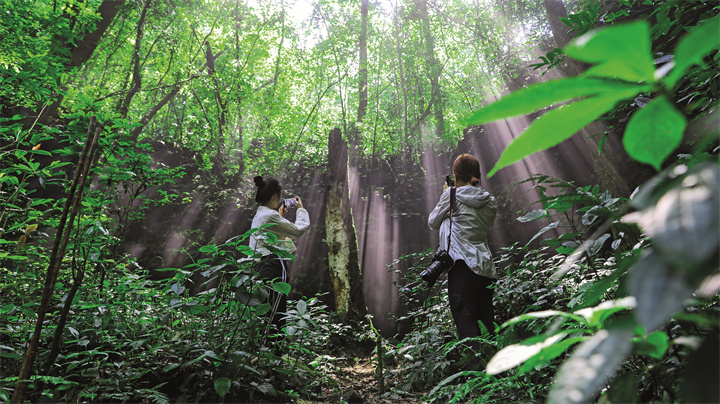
(358, 384)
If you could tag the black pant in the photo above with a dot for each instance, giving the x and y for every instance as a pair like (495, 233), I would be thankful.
(274, 269)
(470, 302)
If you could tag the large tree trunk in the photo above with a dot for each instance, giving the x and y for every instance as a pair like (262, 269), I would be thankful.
(343, 259)
(433, 69)
(555, 10)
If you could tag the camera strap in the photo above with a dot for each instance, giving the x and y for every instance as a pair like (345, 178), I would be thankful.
(453, 190)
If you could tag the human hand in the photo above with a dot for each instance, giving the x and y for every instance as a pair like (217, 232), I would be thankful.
(282, 210)
(299, 202)
(445, 187)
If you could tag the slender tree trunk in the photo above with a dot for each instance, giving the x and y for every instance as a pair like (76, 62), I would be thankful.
(239, 138)
(72, 204)
(343, 260)
(136, 75)
(398, 48)
(363, 73)
(433, 69)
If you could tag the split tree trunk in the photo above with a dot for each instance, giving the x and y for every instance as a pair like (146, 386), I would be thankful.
(343, 260)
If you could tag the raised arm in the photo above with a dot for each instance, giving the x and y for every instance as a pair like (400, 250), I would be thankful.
(441, 211)
(285, 228)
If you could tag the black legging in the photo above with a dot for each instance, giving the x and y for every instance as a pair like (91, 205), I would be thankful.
(272, 268)
(470, 301)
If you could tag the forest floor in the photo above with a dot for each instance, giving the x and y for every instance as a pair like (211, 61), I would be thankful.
(358, 384)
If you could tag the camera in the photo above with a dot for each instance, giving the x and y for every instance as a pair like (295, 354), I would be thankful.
(450, 180)
(289, 203)
(442, 261)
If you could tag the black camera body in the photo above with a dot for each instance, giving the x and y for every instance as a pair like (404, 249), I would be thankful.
(442, 261)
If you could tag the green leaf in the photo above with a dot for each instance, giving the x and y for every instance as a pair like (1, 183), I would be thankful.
(549, 353)
(281, 287)
(558, 125)
(654, 345)
(513, 355)
(209, 248)
(660, 292)
(624, 389)
(595, 316)
(530, 99)
(587, 370)
(693, 47)
(542, 314)
(222, 386)
(535, 214)
(621, 51)
(654, 132)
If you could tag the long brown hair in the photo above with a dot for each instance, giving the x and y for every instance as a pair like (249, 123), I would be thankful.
(467, 168)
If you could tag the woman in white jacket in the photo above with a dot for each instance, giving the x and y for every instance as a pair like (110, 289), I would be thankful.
(274, 267)
(473, 270)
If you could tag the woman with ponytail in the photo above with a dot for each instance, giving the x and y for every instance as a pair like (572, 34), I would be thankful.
(473, 271)
(273, 266)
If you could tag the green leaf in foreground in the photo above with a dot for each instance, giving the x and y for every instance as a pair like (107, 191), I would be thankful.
(621, 51)
(222, 386)
(587, 370)
(513, 355)
(694, 46)
(549, 93)
(654, 132)
(558, 125)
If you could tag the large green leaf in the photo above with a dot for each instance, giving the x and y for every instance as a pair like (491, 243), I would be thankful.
(222, 386)
(513, 355)
(654, 132)
(281, 287)
(659, 291)
(587, 370)
(595, 316)
(558, 125)
(530, 99)
(621, 51)
(549, 353)
(542, 314)
(654, 345)
(693, 47)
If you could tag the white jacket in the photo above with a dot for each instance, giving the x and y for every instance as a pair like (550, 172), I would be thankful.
(473, 215)
(284, 229)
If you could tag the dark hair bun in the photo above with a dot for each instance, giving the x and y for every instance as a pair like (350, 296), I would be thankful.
(259, 181)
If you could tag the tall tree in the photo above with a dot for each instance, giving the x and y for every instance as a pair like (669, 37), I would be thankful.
(343, 260)
(555, 9)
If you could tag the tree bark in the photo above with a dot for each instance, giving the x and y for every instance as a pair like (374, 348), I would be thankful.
(72, 204)
(136, 75)
(343, 259)
(432, 66)
(555, 10)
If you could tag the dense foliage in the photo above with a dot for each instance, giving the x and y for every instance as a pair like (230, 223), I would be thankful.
(620, 303)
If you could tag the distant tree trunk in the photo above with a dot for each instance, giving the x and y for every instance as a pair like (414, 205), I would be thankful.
(363, 73)
(343, 260)
(239, 138)
(555, 10)
(401, 73)
(136, 75)
(433, 69)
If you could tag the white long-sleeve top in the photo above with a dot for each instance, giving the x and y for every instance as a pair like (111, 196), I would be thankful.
(285, 230)
(473, 214)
